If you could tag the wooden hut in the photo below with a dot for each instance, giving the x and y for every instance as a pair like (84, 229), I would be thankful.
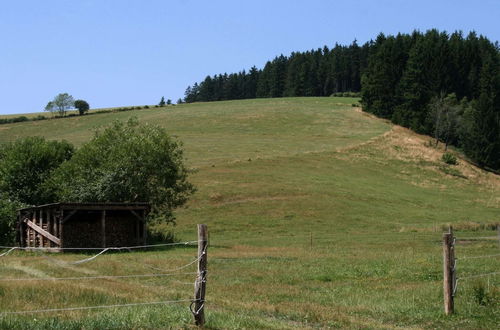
(83, 225)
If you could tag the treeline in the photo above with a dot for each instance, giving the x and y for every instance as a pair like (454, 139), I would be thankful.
(446, 85)
(320, 72)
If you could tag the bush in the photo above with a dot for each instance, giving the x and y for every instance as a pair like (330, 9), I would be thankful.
(26, 164)
(8, 219)
(146, 107)
(8, 214)
(127, 162)
(449, 158)
(39, 117)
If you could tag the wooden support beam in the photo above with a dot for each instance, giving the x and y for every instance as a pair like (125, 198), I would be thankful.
(141, 218)
(42, 232)
(144, 228)
(103, 228)
(68, 216)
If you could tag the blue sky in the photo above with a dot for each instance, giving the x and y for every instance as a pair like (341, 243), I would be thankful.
(116, 53)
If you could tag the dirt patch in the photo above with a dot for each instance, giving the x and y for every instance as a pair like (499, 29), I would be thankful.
(403, 144)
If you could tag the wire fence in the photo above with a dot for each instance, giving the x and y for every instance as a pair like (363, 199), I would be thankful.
(172, 272)
(464, 277)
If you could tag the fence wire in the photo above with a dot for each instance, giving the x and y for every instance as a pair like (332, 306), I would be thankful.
(94, 307)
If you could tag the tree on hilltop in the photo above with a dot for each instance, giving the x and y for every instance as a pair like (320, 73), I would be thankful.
(162, 102)
(82, 106)
(61, 103)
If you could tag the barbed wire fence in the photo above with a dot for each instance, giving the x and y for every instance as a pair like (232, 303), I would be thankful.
(451, 261)
(199, 283)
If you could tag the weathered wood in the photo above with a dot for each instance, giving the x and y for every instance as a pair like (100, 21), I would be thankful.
(201, 279)
(100, 207)
(103, 228)
(141, 218)
(68, 216)
(20, 228)
(54, 222)
(42, 232)
(144, 228)
(448, 273)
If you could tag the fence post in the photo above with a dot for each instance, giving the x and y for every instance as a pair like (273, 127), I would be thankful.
(201, 278)
(448, 272)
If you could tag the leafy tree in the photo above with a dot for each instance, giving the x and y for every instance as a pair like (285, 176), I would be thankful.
(50, 107)
(445, 113)
(162, 102)
(169, 102)
(127, 162)
(61, 103)
(26, 164)
(82, 106)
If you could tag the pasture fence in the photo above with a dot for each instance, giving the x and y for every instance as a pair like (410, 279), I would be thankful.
(450, 262)
(197, 304)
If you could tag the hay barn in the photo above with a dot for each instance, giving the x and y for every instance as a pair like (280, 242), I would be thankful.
(83, 225)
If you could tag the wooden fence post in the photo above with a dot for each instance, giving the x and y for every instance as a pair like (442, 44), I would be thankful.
(448, 273)
(201, 278)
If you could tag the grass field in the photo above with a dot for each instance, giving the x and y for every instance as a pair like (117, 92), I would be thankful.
(319, 216)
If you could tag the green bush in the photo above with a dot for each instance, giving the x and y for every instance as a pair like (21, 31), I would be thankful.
(127, 162)
(26, 164)
(8, 217)
(449, 158)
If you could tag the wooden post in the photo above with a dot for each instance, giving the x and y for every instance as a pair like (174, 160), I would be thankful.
(448, 283)
(103, 228)
(201, 278)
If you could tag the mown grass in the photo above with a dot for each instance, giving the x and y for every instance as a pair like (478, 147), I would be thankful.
(319, 216)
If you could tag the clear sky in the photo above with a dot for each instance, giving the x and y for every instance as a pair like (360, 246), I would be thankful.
(132, 52)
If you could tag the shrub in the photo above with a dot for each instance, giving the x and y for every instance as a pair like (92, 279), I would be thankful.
(8, 217)
(19, 119)
(39, 117)
(26, 164)
(146, 107)
(127, 162)
(449, 158)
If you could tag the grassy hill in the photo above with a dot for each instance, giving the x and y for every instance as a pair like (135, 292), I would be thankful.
(319, 216)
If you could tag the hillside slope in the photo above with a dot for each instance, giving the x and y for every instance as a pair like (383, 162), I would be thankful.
(319, 216)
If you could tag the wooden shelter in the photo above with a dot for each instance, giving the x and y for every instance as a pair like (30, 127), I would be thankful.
(83, 225)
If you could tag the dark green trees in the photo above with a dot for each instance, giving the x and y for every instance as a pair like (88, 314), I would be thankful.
(482, 136)
(162, 102)
(319, 72)
(408, 75)
(82, 106)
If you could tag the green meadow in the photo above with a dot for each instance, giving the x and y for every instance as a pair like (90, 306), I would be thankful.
(319, 216)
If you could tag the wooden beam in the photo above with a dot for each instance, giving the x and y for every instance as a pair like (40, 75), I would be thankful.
(42, 232)
(144, 228)
(104, 207)
(103, 228)
(137, 215)
(66, 218)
